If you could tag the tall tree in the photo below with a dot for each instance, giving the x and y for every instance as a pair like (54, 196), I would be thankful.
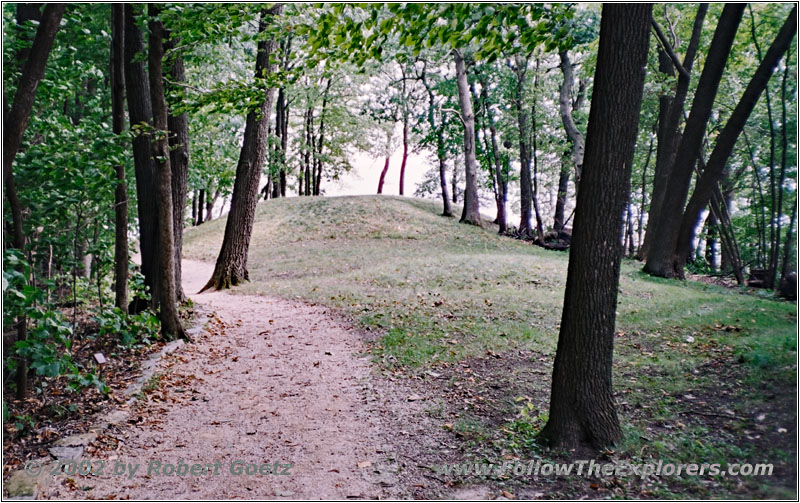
(441, 155)
(121, 191)
(179, 162)
(140, 115)
(582, 409)
(660, 255)
(520, 67)
(717, 161)
(231, 266)
(168, 301)
(471, 210)
(15, 121)
(566, 107)
(670, 114)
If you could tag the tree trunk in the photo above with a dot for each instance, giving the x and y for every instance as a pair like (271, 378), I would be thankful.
(726, 140)
(140, 111)
(535, 157)
(525, 195)
(201, 206)
(582, 410)
(661, 260)
(711, 241)
(441, 155)
(670, 114)
(383, 175)
(501, 183)
(14, 123)
(121, 190)
(231, 267)
(565, 108)
(210, 202)
(454, 182)
(179, 163)
(471, 212)
(171, 327)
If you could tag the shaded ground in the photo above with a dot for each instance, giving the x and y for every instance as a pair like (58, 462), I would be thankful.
(270, 381)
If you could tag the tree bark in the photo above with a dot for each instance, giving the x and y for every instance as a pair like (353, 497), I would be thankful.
(201, 206)
(171, 327)
(660, 259)
(726, 141)
(140, 114)
(179, 163)
(582, 410)
(121, 190)
(231, 266)
(670, 113)
(471, 211)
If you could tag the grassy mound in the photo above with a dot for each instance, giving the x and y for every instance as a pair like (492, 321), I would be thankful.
(697, 366)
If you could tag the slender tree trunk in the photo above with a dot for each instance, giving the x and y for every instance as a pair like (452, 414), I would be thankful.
(582, 409)
(711, 241)
(210, 202)
(15, 121)
(726, 141)
(201, 206)
(231, 267)
(500, 195)
(661, 260)
(121, 190)
(140, 111)
(668, 135)
(171, 327)
(533, 142)
(382, 179)
(441, 155)
(471, 212)
(454, 182)
(643, 204)
(525, 196)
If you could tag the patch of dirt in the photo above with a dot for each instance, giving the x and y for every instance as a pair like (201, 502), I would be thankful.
(269, 381)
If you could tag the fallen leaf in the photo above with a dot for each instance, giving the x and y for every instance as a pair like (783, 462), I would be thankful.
(364, 464)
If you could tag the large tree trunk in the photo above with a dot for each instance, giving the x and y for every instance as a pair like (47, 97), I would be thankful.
(660, 259)
(582, 410)
(179, 163)
(121, 190)
(471, 212)
(670, 114)
(726, 141)
(140, 111)
(14, 123)
(231, 267)
(171, 327)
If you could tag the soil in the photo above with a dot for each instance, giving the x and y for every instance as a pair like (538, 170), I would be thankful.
(270, 381)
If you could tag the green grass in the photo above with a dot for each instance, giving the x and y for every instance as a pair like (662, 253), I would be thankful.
(439, 291)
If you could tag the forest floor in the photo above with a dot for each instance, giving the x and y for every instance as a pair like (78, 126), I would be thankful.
(377, 340)
(269, 381)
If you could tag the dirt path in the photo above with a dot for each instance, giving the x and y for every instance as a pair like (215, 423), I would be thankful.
(269, 381)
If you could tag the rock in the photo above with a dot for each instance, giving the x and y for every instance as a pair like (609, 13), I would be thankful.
(67, 452)
(82, 440)
(20, 485)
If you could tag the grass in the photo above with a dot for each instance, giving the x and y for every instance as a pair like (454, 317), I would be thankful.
(438, 292)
